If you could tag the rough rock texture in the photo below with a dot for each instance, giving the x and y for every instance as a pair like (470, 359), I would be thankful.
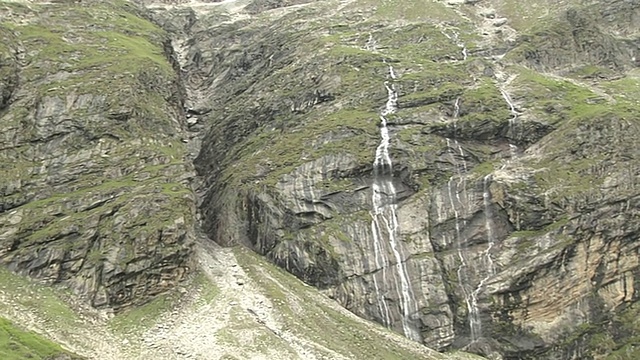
(515, 173)
(94, 188)
(511, 219)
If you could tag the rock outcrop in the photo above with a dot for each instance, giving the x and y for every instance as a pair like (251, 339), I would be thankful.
(515, 175)
(94, 190)
(512, 198)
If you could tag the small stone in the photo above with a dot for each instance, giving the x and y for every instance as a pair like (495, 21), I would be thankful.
(499, 22)
(240, 281)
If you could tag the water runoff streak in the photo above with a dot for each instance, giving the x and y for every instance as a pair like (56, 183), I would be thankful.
(384, 226)
(463, 270)
(471, 297)
(474, 316)
(512, 121)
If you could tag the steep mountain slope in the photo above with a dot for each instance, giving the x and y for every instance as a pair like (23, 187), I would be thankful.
(463, 173)
(507, 221)
(94, 183)
(96, 200)
(236, 306)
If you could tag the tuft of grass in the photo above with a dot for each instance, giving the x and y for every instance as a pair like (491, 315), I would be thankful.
(17, 344)
(141, 317)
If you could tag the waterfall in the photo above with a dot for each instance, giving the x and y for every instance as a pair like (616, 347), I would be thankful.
(371, 44)
(456, 110)
(470, 297)
(488, 222)
(512, 122)
(456, 38)
(462, 271)
(474, 316)
(380, 260)
(384, 225)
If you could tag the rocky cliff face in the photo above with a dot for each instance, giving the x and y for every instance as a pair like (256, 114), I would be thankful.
(514, 175)
(462, 172)
(94, 182)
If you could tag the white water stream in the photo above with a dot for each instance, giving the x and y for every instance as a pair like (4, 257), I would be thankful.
(512, 122)
(463, 270)
(471, 297)
(384, 225)
(456, 38)
(474, 316)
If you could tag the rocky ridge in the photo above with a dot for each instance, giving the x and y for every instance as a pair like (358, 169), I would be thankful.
(515, 174)
(511, 158)
(95, 190)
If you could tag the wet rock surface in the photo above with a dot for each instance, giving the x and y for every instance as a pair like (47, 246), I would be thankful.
(514, 171)
(499, 167)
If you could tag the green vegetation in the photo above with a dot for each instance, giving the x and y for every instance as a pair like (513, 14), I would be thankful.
(625, 345)
(44, 301)
(528, 243)
(282, 152)
(108, 59)
(97, 139)
(411, 10)
(116, 193)
(556, 99)
(142, 317)
(592, 72)
(484, 168)
(291, 139)
(615, 338)
(328, 327)
(121, 45)
(16, 344)
(485, 104)
(523, 15)
(626, 89)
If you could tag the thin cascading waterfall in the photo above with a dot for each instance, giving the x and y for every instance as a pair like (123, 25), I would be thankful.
(371, 43)
(380, 262)
(512, 122)
(456, 111)
(470, 296)
(476, 329)
(384, 224)
(488, 222)
(462, 271)
(456, 39)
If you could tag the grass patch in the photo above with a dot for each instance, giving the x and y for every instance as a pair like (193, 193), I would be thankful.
(326, 326)
(45, 301)
(282, 152)
(143, 317)
(17, 344)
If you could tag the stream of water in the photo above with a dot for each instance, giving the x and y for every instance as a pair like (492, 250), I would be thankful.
(384, 225)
